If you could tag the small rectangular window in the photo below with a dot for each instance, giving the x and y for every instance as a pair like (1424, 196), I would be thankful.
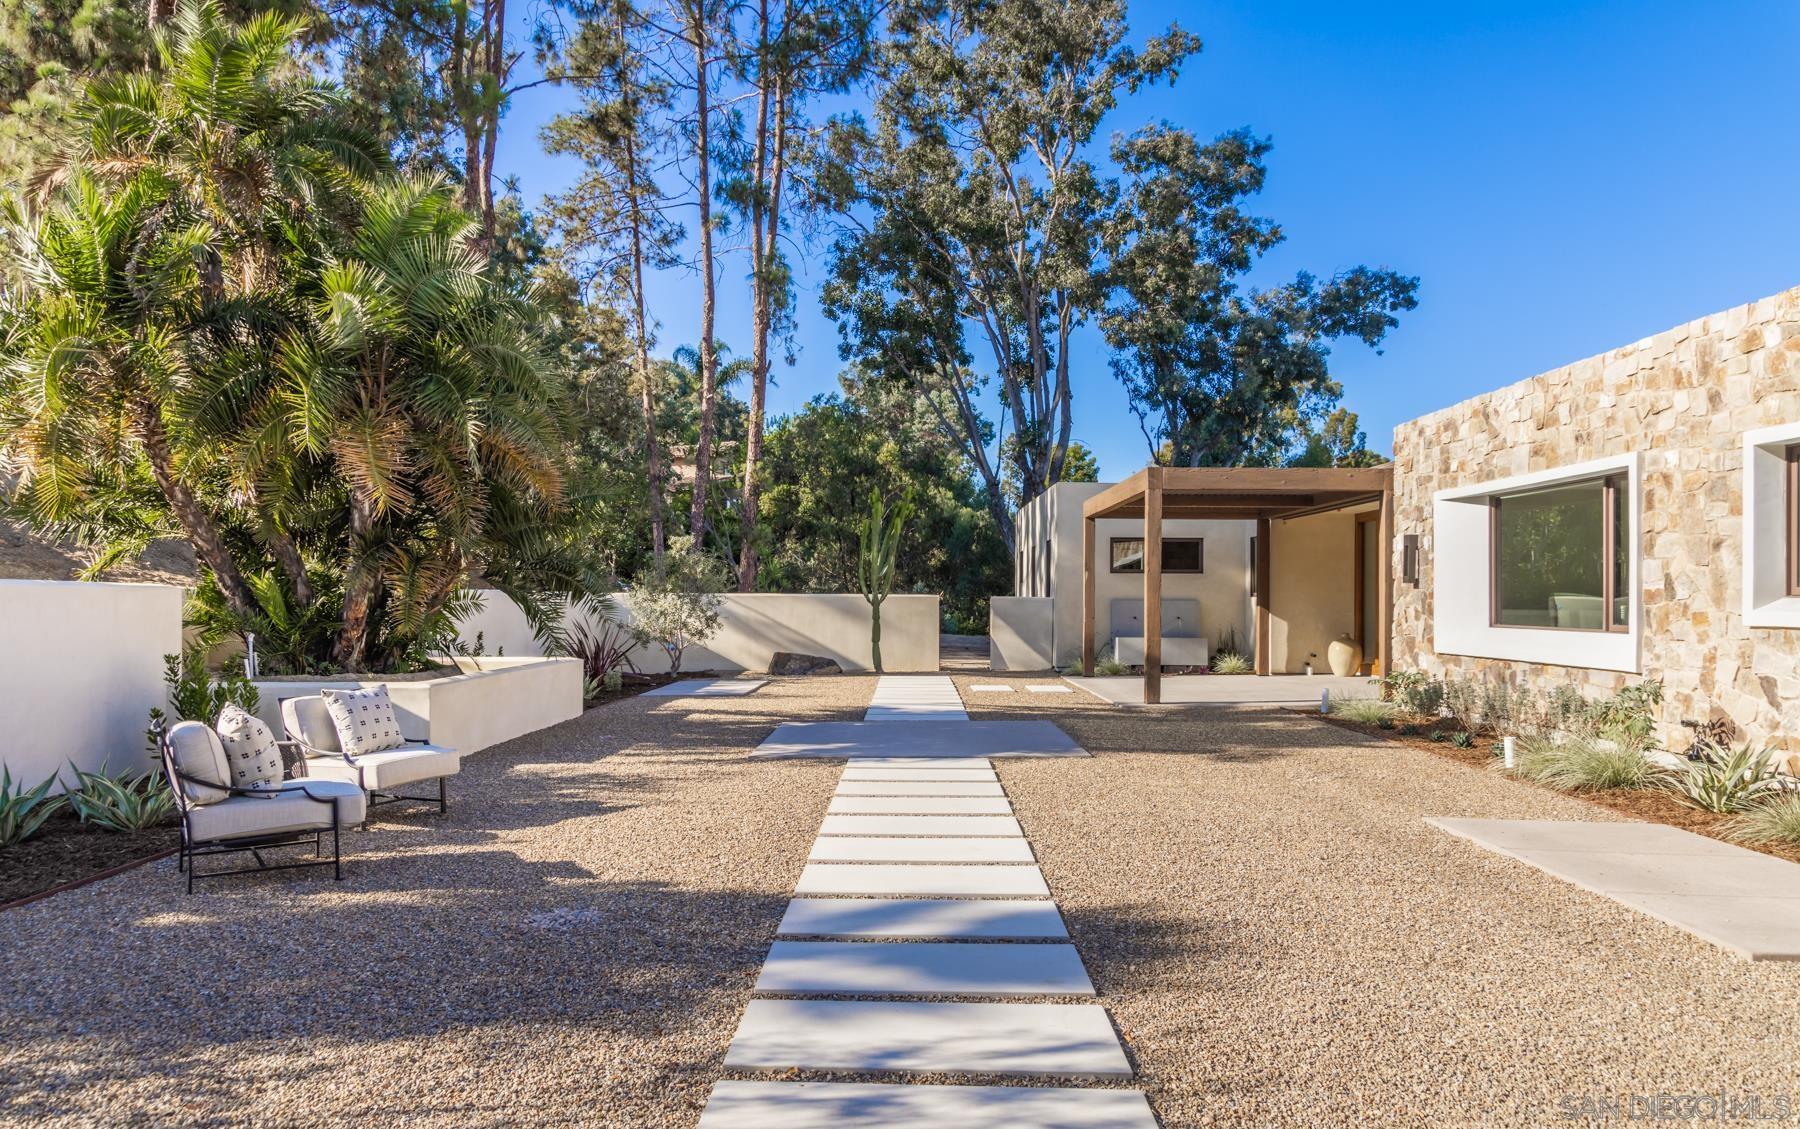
(1561, 557)
(1179, 554)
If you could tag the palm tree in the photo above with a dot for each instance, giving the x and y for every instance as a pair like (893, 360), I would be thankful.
(154, 247)
(424, 383)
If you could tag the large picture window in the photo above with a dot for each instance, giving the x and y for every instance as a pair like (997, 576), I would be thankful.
(1561, 557)
(1179, 554)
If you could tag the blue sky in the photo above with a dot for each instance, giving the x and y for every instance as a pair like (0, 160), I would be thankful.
(1563, 178)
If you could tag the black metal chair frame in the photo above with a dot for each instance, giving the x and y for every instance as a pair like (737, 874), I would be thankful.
(192, 849)
(377, 798)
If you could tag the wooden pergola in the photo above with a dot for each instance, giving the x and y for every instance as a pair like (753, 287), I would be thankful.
(1260, 494)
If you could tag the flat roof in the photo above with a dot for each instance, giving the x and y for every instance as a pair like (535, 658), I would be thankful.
(1227, 493)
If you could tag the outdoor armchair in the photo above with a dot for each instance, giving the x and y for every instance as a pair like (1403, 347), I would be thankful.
(381, 775)
(219, 819)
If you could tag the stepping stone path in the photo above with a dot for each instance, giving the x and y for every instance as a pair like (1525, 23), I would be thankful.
(922, 886)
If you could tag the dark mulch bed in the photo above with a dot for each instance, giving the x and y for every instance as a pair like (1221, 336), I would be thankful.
(64, 851)
(1646, 804)
(635, 684)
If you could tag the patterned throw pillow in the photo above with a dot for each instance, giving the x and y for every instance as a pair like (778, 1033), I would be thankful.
(250, 750)
(365, 720)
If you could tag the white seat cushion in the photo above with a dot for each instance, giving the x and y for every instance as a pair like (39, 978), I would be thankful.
(365, 720)
(288, 809)
(198, 754)
(250, 750)
(308, 721)
(390, 769)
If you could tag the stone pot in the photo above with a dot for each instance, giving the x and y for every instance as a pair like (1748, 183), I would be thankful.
(1346, 656)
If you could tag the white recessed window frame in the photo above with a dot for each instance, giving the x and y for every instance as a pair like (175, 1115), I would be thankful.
(1771, 535)
(1463, 583)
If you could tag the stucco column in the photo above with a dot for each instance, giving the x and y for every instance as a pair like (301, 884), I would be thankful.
(1087, 596)
(1153, 506)
(1265, 646)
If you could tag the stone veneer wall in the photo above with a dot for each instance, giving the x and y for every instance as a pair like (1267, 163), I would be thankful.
(1684, 399)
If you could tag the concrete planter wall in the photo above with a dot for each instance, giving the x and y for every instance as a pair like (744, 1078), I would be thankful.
(82, 667)
(754, 626)
(1019, 633)
(506, 698)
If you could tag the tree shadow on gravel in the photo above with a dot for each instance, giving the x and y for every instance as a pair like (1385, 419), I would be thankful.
(512, 944)
(1228, 733)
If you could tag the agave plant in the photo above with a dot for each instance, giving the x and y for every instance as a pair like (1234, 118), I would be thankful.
(122, 802)
(22, 812)
(1725, 779)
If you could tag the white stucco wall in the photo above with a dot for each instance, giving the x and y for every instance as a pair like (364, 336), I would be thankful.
(1313, 580)
(507, 698)
(754, 626)
(1049, 565)
(81, 666)
(1019, 633)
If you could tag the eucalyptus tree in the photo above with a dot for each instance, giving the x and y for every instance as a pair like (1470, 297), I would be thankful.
(613, 222)
(978, 202)
(796, 50)
(1218, 374)
(160, 240)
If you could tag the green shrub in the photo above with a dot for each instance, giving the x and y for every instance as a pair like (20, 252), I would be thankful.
(1580, 765)
(195, 695)
(1630, 715)
(1407, 729)
(1462, 701)
(1364, 711)
(125, 802)
(23, 812)
(1724, 779)
(1463, 739)
(1775, 820)
(1439, 736)
(1230, 662)
(1413, 691)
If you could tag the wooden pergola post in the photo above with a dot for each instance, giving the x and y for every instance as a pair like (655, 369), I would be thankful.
(1087, 597)
(1153, 510)
(1265, 657)
(1384, 587)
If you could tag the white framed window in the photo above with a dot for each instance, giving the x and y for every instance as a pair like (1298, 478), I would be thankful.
(1772, 526)
(1541, 567)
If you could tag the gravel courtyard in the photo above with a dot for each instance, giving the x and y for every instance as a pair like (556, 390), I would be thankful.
(573, 944)
(1278, 936)
(1282, 941)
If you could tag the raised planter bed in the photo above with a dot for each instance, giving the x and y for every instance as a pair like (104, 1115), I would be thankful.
(490, 700)
(1646, 804)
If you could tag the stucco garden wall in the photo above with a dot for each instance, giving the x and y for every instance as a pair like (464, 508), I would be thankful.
(503, 699)
(1680, 403)
(82, 666)
(754, 626)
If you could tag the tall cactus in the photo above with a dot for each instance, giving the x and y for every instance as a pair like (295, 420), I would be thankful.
(880, 546)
